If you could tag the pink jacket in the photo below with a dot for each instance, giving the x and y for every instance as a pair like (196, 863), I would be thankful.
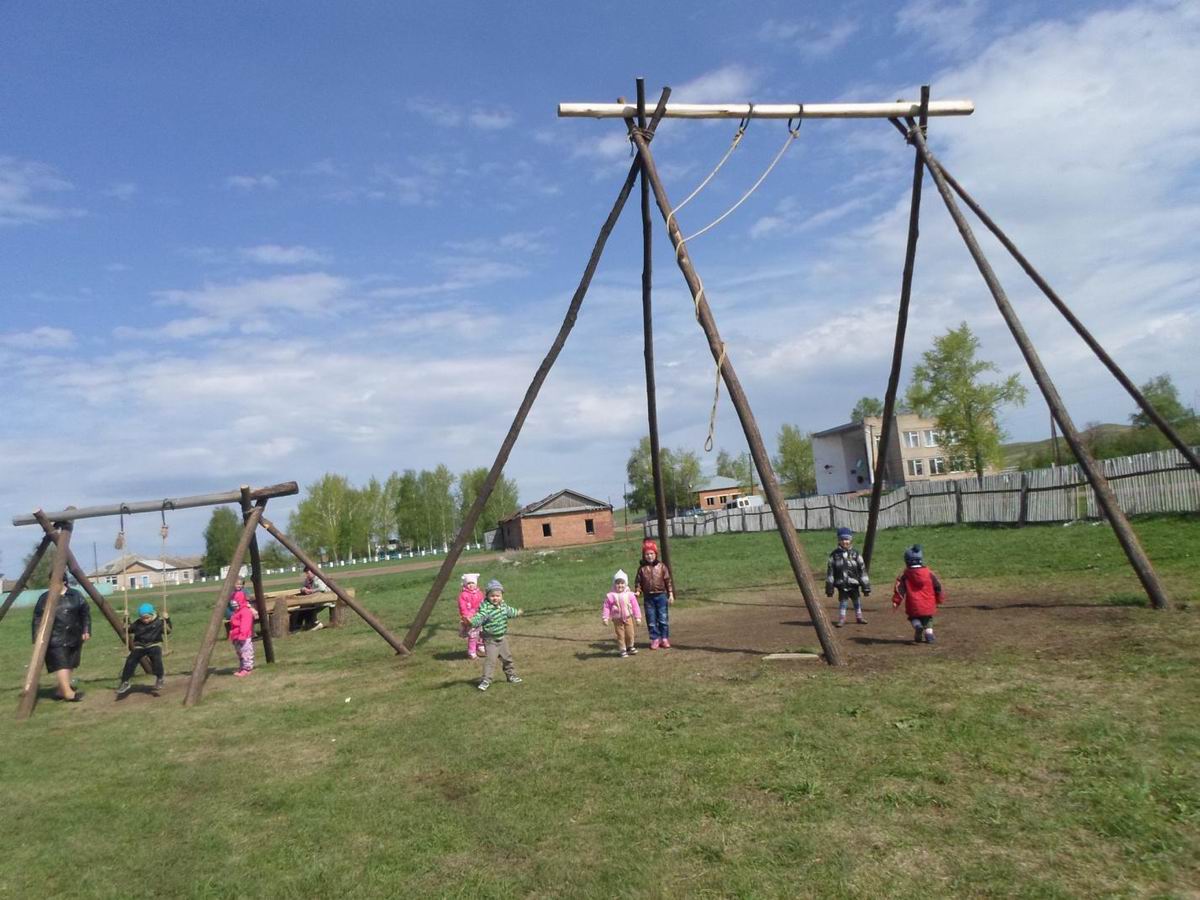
(241, 623)
(469, 602)
(621, 607)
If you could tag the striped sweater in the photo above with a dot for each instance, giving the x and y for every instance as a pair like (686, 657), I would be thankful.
(493, 619)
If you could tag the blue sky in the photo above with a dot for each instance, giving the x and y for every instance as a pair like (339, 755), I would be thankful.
(215, 213)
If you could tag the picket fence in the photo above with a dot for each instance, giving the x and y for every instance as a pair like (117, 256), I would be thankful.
(1158, 482)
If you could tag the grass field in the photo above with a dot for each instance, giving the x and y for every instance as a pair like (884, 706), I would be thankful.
(1045, 747)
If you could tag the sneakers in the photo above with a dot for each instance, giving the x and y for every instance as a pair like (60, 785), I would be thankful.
(624, 653)
(472, 656)
(515, 679)
(654, 644)
(665, 644)
(860, 620)
(633, 651)
(160, 683)
(124, 688)
(317, 627)
(918, 636)
(484, 685)
(78, 696)
(840, 623)
(929, 635)
(242, 673)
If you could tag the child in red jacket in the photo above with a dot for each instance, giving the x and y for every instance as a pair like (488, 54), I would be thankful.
(921, 592)
(241, 633)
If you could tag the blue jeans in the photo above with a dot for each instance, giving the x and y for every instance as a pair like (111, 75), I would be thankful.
(846, 596)
(657, 616)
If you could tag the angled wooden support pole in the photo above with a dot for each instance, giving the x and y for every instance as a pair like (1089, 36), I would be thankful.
(260, 597)
(365, 614)
(783, 519)
(1104, 493)
(879, 453)
(19, 586)
(535, 386)
(41, 639)
(200, 668)
(1101, 354)
(660, 499)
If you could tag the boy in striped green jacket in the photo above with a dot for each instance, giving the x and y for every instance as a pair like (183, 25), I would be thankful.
(492, 620)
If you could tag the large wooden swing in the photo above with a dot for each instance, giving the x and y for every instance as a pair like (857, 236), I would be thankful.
(911, 118)
(57, 527)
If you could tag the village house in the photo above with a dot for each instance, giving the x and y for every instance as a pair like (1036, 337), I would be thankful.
(716, 492)
(142, 572)
(565, 517)
(844, 457)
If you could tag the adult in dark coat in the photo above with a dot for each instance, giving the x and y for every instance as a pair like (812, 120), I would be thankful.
(71, 627)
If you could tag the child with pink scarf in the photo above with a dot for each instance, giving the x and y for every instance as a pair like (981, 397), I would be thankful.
(621, 608)
(468, 604)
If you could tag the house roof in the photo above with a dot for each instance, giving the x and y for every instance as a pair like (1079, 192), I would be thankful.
(717, 483)
(564, 501)
(129, 560)
(839, 429)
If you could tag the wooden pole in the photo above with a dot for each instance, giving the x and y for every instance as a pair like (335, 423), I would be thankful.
(1104, 493)
(893, 386)
(286, 489)
(27, 574)
(535, 386)
(1101, 354)
(1054, 439)
(364, 613)
(260, 598)
(200, 668)
(766, 474)
(660, 500)
(41, 641)
(899, 108)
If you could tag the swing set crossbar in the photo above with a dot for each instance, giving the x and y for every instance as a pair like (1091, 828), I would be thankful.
(893, 110)
(286, 489)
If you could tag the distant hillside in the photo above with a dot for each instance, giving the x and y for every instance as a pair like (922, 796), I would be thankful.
(1018, 453)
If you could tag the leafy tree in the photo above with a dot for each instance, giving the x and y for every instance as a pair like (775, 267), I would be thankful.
(273, 556)
(41, 572)
(793, 461)
(740, 468)
(946, 386)
(220, 539)
(866, 406)
(680, 472)
(329, 518)
(1164, 397)
(502, 502)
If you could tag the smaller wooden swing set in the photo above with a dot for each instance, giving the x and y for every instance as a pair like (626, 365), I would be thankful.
(57, 528)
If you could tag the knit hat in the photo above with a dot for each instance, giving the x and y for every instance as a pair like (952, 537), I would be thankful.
(648, 545)
(146, 609)
(620, 576)
(844, 532)
(470, 578)
(495, 585)
(913, 555)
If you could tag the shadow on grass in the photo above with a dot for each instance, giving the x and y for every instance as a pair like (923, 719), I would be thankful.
(870, 641)
(460, 682)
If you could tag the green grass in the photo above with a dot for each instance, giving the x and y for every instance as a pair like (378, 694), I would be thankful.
(342, 771)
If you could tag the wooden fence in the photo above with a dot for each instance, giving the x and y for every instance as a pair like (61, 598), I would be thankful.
(1156, 482)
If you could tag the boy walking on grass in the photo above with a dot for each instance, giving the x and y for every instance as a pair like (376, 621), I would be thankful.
(847, 572)
(921, 592)
(492, 620)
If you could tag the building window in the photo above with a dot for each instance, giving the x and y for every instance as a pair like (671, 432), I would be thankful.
(958, 464)
(724, 499)
(916, 466)
(545, 529)
(710, 501)
(937, 466)
(912, 439)
(931, 437)
(589, 525)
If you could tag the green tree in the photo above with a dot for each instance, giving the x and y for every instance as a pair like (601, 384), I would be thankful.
(502, 503)
(327, 521)
(866, 406)
(680, 473)
(41, 572)
(793, 461)
(1164, 397)
(740, 468)
(220, 539)
(273, 556)
(946, 386)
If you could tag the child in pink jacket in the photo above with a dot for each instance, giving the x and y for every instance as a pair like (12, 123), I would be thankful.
(468, 604)
(621, 608)
(241, 633)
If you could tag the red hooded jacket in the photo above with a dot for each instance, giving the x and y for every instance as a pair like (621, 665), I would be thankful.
(920, 590)
(241, 623)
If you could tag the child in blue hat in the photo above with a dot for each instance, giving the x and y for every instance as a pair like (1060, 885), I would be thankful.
(847, 572)
(145, 635)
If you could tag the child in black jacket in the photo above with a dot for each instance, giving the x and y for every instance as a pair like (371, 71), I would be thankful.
(146, 636)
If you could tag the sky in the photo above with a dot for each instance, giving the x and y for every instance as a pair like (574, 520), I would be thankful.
(246, 243)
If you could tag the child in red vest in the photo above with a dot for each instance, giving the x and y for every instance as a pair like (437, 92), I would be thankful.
(921, 593)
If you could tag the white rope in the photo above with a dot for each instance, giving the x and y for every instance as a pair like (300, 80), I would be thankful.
(793, 133)
(737, 139)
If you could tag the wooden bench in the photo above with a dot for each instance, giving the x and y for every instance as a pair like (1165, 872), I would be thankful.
(281, 604)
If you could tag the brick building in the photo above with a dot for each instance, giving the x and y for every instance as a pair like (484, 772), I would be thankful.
(716, 492)
(566, 517)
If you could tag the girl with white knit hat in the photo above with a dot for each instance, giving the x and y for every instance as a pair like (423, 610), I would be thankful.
(621, 608)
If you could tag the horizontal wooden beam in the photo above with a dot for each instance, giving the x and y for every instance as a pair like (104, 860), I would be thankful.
(900, 108)
(286, 489)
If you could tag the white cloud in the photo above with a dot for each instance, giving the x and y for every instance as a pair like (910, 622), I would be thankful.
(252, 182)
(812, 39)
(278, 255)
(949, 26)
(492, 120)
(122, 190)
(24, 185)
(39, 340)
(730, 83)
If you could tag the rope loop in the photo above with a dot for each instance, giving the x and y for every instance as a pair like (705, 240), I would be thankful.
(712, 417)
